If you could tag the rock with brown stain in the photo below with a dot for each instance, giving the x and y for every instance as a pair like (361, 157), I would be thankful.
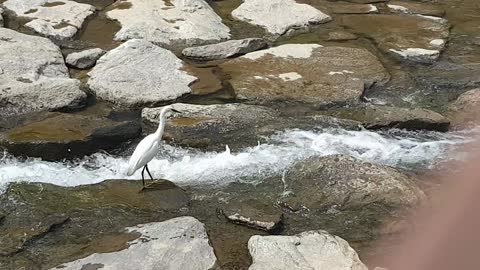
(353, 9)
(58, 135)
(253, 213)
(307, 73)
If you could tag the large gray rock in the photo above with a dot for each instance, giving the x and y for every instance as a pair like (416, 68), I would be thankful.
(33, 75)
(464, 112)
(169, 23)
(60, 19)
(343, 182)
(236, 125)
(139, 73)
(179, 243)
(225, 49)
(312, 250)
(376, 117)
(415, 38)
(84, 59)
(306, 73)
(279, 17)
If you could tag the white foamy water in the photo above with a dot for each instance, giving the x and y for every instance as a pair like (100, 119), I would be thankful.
(400, 149)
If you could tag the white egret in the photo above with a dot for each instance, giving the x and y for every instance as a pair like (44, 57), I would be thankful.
(148, 147)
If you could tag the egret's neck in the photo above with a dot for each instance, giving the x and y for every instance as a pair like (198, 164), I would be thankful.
(161, 125)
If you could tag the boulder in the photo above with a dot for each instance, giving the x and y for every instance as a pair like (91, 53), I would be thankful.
(415, 38)
(56, 136)
(343, 182)
(169, 23)
(63, 224)
(84, 59)
(307, 73)
(213, 127)
(376, 117)
(279, 17)
(33, 76)
(316, 250)
(464, 112)
(60, 19)
(139, 73)
(225, 49)
(178, 243)
(415, 8)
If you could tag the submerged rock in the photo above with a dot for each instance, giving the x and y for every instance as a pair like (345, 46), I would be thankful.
(376, 117)
(406, 36)
(341, 36)
(279, 17)
(415, 8)
(353, 9)
(57, 225)
(254, 213)
(464, 112)
(169, 23)
(316, 250)
(58, 135)
(343, 182)
(84, 59)
(178, 243)
(225, 49)
(139, 73)
(60, 19)
(33, 76)
(307, 73)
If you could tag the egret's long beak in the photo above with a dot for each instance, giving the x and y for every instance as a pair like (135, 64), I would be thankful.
(177, 111)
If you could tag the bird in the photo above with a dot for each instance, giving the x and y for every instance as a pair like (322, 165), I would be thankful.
(148, 147)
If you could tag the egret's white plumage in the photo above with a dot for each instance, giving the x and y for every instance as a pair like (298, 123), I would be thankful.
(149, 146)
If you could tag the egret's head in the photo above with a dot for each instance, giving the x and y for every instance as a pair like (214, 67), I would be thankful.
(169, 109)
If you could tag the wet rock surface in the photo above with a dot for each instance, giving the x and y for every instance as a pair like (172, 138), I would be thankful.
(415, 8)
(55, 136)
(279, 17)
(33, 76)
(1, 17)
(376, 117)
(306, 73)
(464, 112)
(169, 23)
(52, 18)
(172, 244)
(84, 59)
(138, 73)
(236, 125)
(225, 49)
(309, 250)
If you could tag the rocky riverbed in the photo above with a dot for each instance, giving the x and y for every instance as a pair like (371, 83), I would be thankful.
(309, 128)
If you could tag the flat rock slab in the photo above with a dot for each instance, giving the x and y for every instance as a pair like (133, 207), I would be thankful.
(60, 19)
(307, 73)
(225, 49)
(84, 59)
(377, 117)
(343, 182)
(58, 135)
(353, 9)
(205, 125)
(169, 23)
(33, 76)
(139, 73)
(464, 112)
(414, 38)
(315, 250)
(62, 224)
(279, 17)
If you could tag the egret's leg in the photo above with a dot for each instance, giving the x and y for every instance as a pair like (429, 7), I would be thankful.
(146, 166)
(143, 178)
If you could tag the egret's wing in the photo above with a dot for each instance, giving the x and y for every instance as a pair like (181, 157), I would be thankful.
(145, 151)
